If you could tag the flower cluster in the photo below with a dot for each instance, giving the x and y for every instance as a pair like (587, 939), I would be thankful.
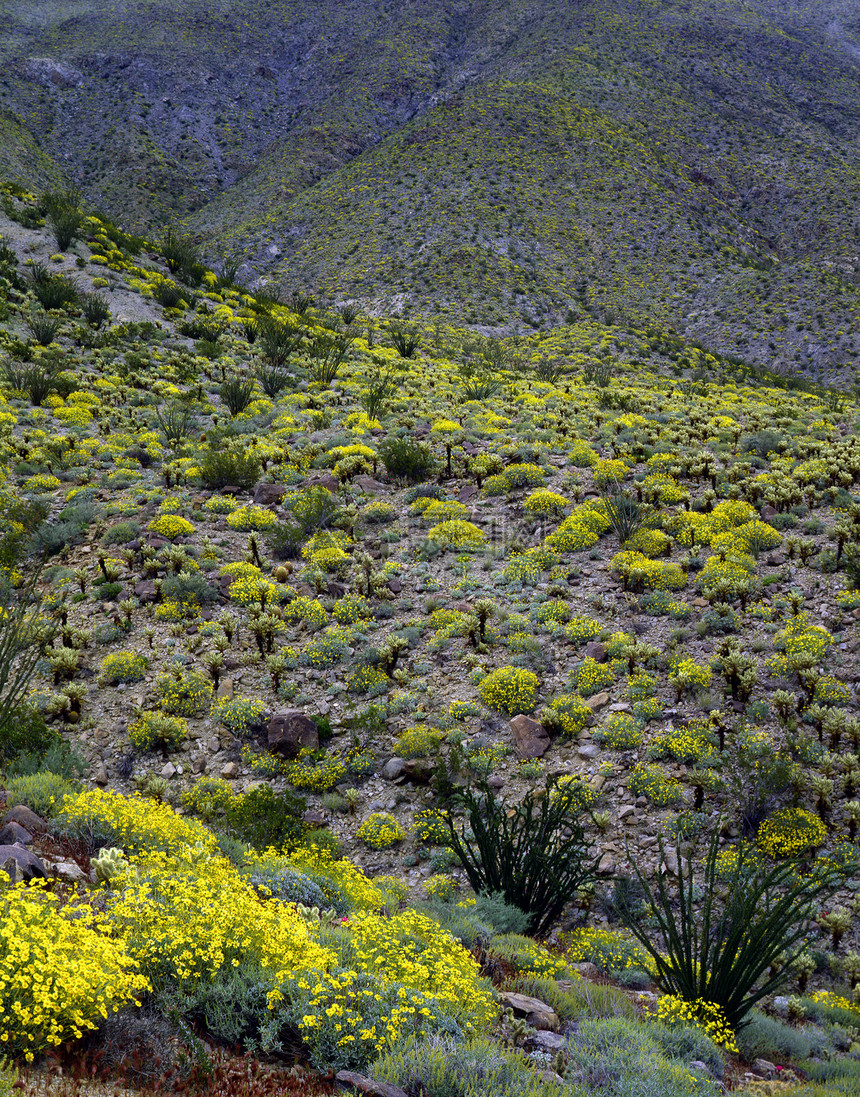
(568, 712)
(251, 517)
(590, 677)
(429, 826)
(351, 608)
(237, 714)
(123, 666)
(155, 731)
(307, 610)
(607, 948)
(183, 693)
(619, 731)
(545, 502)
(456, 534)
(659, 788)
(61, 972)
(326, 649)
(580, 630)
(171, 526)
(701, 1014)
(791, 832)
(510, 689)
(314, 775)
(380, 831)
(418, 742)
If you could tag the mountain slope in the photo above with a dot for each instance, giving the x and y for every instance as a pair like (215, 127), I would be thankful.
(511, 165)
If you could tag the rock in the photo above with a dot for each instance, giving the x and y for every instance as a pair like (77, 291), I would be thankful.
(69, 871)
(538, 1014)
(624, 812)
(225, 690)
(291, 731)
(144, 591)
(588, 750)
(347, 1079)
(27, 818)
(598, 700)
(764, 1067)
(168, 770)
(268, 495)
(418, 771)
(229, 770)
(670, 860)
(595, 650)
(101, 774)
(586, 969)
(467, 492)
(367, 483)
(545, 1041)
(14, 834)
(393, 769)
(314, 819)
(607, 865)
(20, 864)
(530, 737)
(395, 586)
(698, 1065)
(495, 781)
(327, 481)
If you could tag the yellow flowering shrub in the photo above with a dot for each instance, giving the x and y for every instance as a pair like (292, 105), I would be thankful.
(188, 915)
(510, 689)
(105, 818)
(171, 526)
(61, 972)
(609, 949)
(456, 534)
(380, 831)
(790, 832)
(251, 517)
(701, 1014)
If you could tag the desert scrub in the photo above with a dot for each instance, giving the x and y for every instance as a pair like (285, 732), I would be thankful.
(545, 502)
(327, 648)
(567, 713)
(444, 510)
(791, 832)
(238, 714)
(104, 818)
(609, 949)
(688, 743)
(368, 681)
(189, 915)
(573, 535)
(554, 610)
(183, 693)
(579, 795)
(619, 731)
(43, 792)
(418, 742)
(688, 676)
(510, 689)
(123, 666)
(351, 608)
(429, 827)
(310, 773)
(307, 610)
(652, 782)
(155, 731)
(456, 534)
(74, 974)
(709, 1017)
(380, 831)
(170, 526)
(246, 519)
(590, 677)
(580, 630)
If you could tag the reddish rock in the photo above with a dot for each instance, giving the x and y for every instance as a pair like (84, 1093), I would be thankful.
(530, 737)
(26, 818)
(289, 732)
(268, 495)
(596, 651)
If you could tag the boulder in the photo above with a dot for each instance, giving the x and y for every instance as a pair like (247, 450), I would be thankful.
(538, 1014)
(20, 864)
(269, 495)
(14, 834)
(530, 737)
(598, 701)
(394, 769)
(348, 1079)
(291, 731)
(27, 818)
(596, 651)
(545, 1041)
(368, 484)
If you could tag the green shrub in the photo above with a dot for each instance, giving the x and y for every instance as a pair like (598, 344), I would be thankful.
(264, 818)
(155, 731)
(183, 693)
(535, 854)
(238, 714)
(687, 1043)
(511, 689)
(406, 460)
(44, 792)
(442, 1066)
(766, 1037)
(220, 467)
(723, 951)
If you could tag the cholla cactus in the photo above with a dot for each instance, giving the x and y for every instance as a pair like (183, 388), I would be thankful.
(109, 863)
(836, 922)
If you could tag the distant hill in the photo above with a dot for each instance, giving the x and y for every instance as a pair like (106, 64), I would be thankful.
(511, 165)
